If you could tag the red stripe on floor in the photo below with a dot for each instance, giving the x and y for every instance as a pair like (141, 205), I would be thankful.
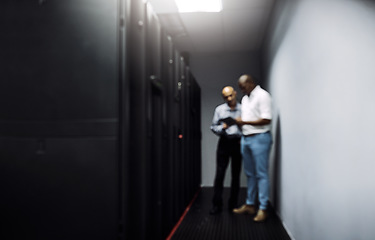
(183, 215)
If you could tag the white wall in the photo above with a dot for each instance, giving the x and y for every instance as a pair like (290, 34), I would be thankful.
(321, 74)
(213, 72)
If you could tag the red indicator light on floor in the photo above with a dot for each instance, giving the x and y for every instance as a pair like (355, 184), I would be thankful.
(180, 136)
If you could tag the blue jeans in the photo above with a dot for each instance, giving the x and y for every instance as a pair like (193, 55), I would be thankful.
(255, 152)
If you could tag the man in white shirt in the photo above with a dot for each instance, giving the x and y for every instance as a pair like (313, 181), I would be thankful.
(256, 116)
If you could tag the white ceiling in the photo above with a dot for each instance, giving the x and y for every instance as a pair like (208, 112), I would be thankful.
(239, 27)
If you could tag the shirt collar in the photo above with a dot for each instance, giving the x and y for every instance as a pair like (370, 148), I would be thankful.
(257, 87)
(228, 108)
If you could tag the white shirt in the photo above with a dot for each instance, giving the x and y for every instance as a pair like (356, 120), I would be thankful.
(258, 105)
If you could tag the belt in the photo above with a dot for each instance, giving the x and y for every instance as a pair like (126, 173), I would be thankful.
(253, 134)
(250, 135)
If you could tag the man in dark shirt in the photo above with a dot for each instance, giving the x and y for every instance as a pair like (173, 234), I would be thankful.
(224, 125)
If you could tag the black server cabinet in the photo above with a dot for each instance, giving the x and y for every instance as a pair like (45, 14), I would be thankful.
(189, 162)
(195, 131)
(138, 207)
(178, 132)
(184, 161)
(96, 136)
(171, 139)
(61, 149)
(148, 125)
(156, 121)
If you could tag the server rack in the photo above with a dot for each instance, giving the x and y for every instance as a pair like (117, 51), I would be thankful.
(156, 120)
(195, 131)
(59, 121)
(138, 164)
(171, 138)
(178, 146)
(95, 129)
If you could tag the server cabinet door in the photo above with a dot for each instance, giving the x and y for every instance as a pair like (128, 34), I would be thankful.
(195, 118)
(59, 119)
(58, 188)
(184, 131)
(59, 60)
(168, 180)
(138, 210)
(156, 108)
(178, 136)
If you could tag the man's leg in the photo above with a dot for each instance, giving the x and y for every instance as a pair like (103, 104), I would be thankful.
(249, 168)
(222, 160)
(236, 162)
(261, 149)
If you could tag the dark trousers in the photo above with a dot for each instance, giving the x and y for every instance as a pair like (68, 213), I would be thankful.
(227, 148)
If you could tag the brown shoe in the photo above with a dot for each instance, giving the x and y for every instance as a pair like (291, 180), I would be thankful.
(261, 216)
(249, 209)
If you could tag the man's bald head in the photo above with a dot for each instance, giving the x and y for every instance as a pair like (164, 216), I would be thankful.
(229, 95)
(227, 90)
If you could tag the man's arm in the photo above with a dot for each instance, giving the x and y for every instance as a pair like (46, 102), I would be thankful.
(259, 122)
(216, 126)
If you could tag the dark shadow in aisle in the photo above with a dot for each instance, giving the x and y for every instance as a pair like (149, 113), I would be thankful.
(277, 167)
(198, 224)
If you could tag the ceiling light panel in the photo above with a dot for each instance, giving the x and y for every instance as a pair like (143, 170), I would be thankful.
(199, 5)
